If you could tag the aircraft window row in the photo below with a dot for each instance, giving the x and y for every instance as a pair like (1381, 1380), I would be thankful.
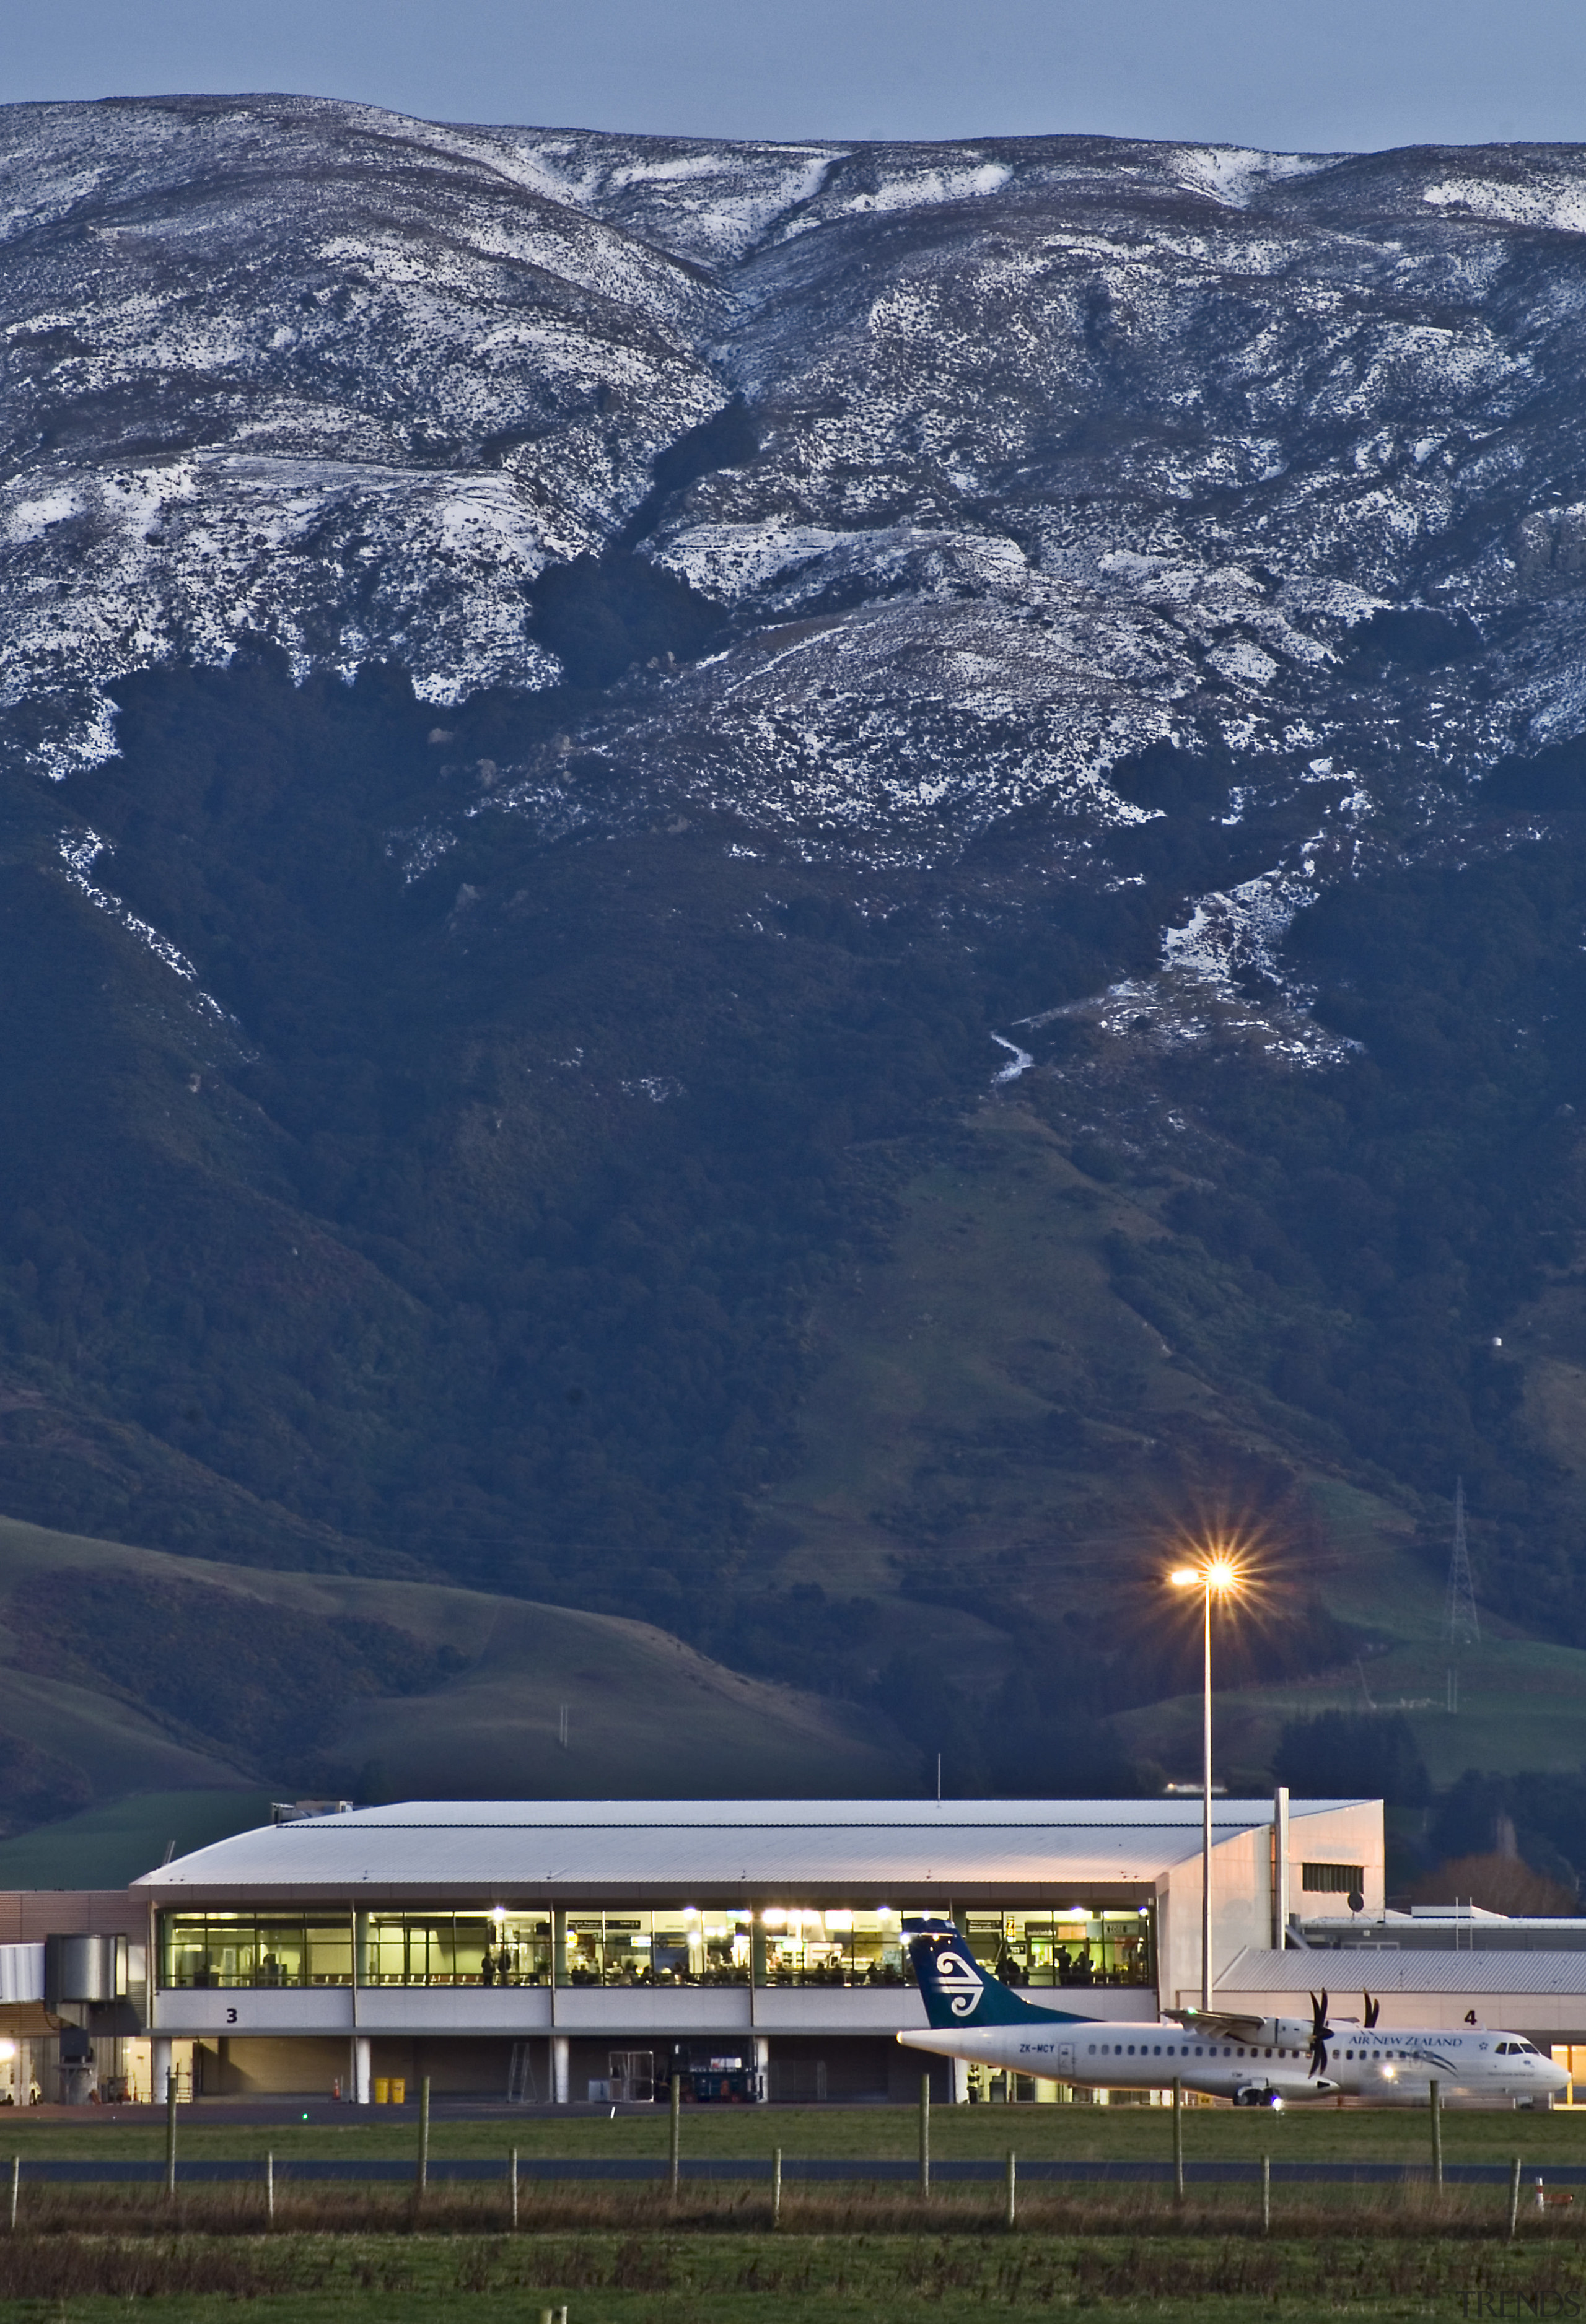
(1177, 2050)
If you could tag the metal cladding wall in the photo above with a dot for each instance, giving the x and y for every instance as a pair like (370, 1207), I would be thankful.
(1539, 1995)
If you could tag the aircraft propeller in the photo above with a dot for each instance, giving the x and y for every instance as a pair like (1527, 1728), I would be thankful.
(1321, 2034)
(1373, 2011)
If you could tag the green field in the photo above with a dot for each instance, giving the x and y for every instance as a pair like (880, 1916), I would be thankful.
(1100, 2133)
(628, 2255)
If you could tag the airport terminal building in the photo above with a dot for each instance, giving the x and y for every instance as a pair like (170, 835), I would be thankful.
(560, 1950)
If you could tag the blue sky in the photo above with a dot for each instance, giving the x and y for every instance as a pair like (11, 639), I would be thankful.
(1317, 75)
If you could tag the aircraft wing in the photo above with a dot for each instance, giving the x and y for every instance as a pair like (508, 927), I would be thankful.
(1222, 2025)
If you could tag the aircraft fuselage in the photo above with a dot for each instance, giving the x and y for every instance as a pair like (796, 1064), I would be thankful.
(1386, 2066)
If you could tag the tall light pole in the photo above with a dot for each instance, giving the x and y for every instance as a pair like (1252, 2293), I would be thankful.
(1216, 1576)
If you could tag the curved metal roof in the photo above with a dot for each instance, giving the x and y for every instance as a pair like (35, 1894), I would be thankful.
(574, 1846)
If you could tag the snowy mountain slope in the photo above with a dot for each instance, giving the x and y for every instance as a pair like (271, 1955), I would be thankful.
(301, 373)
(1068, 446)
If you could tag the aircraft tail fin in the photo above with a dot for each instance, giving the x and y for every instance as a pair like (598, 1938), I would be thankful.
(956, 1989)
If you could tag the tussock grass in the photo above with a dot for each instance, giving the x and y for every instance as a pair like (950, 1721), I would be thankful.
(619, 2272)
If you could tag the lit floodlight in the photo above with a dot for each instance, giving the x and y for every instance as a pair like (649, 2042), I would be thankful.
(1185, 1577)
(498, 1912)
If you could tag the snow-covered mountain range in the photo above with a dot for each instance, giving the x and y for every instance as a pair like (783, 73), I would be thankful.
(1053, 449)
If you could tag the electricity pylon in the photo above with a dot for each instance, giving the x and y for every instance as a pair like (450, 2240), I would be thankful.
(1462, 1625)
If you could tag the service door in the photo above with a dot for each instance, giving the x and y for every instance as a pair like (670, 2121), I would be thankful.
(1064, 2060)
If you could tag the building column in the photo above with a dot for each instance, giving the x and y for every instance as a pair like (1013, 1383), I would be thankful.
(158, 2068)
(960, 2080)
(361, 2069)
(559, 2048)
(763, 2066)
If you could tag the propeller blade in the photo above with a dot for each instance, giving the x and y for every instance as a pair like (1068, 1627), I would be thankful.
(1320, 2030)
(1372, 2009)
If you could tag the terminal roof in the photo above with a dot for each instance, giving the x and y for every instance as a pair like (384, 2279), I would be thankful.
(906, 1849)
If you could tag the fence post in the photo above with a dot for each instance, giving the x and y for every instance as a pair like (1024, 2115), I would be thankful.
(15, 2188)
(421, 2174)
(514, 2183)
(1013, 2217)
(270, 2188)
(1514, 2199)
(1266, 2194)
(1437, 2133)
(777, 2187)
(925, 2134)
(1177, 2140)
(170, 2135)
(675, 2154)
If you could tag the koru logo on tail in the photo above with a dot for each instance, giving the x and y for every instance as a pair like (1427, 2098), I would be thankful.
(960, 1982)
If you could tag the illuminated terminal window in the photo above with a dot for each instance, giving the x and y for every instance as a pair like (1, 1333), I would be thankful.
(681, 1944)
(1087, 1944)
(786, 1944)
(254, 1949)
(798, 1944)
(477, 1948)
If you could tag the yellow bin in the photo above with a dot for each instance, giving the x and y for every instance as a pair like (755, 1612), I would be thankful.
(399, 2091)
(382, 2090)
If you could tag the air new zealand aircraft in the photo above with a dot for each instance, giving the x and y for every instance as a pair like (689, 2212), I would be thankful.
(1253, 2061)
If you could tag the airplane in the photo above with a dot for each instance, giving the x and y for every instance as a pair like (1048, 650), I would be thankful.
(1253, 2061)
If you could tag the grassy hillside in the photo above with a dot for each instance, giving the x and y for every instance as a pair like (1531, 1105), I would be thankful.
(135, 1670)
(1001, 1447)
(108, 1846)
(578, 1238)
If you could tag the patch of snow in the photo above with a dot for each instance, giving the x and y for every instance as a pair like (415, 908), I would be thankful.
(927, 187)
(1019, 1061)
(1241, 660)
(30, 520)
(80, 852)
(1536, 199)
(1234, 174)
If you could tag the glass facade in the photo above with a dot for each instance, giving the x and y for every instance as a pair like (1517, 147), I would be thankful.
(674, 1945)
(679, 1945)
(496, 1948)
(796, 1946)
(1081, 1946)
(232, 1949)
